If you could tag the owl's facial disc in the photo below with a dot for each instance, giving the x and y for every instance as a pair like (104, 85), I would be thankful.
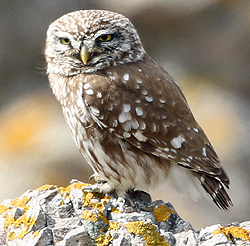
(92, 45)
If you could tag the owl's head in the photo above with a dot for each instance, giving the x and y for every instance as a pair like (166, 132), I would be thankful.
(89, 40)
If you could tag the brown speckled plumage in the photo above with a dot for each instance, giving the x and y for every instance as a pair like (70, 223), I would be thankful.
(128, 117)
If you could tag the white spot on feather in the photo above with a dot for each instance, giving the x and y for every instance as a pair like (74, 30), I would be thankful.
(134, 124)
(123, 117)
(126, 135)
(139, 111)
(177, 142)
(204, 151)
(99, 95)
(149, 99)
(126, 108)
(140, 136)
(89, 92)
(126, 77)
(86, 86)
(196, 129)
(142, 125)
(126, 126)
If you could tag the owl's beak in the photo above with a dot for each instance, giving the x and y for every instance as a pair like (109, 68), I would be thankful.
(85, 55)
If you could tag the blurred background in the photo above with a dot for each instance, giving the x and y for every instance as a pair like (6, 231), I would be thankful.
(203, 44)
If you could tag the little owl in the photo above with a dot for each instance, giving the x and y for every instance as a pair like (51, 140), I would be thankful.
(127, 115)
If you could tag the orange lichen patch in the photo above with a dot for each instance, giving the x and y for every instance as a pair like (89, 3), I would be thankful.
(21, 202)
(89, 215)
(114, 226)
(64, 191)
(46, 187)
(87, 200)
(96, 201)
(149, 232)
(11, 236)
(23, 222)
(2, 209)
(162, 213)
(233, 231)
(103, 240)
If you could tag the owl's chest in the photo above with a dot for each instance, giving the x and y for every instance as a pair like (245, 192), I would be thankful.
(76, 112)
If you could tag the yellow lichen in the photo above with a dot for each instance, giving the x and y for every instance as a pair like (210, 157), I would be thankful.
(46, 187)
(114, 225)
(162, 213)
(11, 236)
(79, 185)
(149, 232)
(35, 234)
(95, 201)
(89, 215)
(2, 209)
(233, 231)
(103, 240)
(67, 189)
(23, 222)
(21, 202)
(115, 210)
(87, 199)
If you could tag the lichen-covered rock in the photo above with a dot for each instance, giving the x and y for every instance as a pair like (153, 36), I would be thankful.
(74, 217)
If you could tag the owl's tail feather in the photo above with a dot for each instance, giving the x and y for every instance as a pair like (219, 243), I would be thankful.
(214, 186)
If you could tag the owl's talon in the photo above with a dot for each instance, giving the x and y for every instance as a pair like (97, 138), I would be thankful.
(92, 177)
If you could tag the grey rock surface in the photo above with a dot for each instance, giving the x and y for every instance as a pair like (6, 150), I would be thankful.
(74, 217)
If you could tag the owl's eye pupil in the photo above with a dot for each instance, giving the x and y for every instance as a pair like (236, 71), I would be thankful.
(105, 37)
(64, 40)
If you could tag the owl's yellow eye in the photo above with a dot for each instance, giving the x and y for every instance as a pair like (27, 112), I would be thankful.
(64, 41)
(105, 37)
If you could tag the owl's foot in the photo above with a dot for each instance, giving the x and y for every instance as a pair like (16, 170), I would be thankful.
(101, 186)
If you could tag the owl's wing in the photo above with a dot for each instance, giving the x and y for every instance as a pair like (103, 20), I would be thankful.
(141, 104)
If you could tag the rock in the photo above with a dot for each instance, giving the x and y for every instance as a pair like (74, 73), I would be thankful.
(74, 217)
